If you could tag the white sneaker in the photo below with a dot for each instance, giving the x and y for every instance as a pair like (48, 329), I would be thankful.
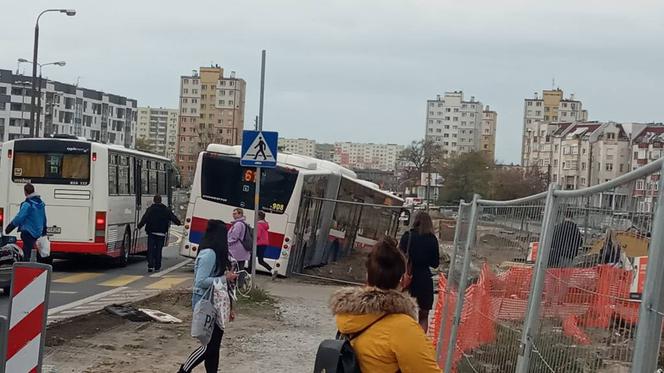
(274, 274)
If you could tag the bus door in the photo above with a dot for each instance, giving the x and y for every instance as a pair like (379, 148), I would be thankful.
(138, 192)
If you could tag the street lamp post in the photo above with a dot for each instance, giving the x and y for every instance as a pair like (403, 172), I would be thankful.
(68, 12)
(34, 132)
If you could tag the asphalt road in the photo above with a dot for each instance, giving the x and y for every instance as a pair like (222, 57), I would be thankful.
(77, 280)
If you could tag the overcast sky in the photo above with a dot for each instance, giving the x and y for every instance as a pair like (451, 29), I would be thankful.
(359, 70)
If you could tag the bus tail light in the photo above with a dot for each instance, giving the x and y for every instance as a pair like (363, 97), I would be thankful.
(9, 154)
(94, 156)
(2, 217)
(100, 227)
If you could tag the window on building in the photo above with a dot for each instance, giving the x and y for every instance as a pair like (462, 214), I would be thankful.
(447, 118)
(609, 166)
(448, 110)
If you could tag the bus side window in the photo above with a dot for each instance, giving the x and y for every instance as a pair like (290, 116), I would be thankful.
(144, 176)
(112, 175)
(123, 175)
(132, 189)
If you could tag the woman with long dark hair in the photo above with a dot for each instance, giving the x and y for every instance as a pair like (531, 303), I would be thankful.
(422, 252)
(212, 262)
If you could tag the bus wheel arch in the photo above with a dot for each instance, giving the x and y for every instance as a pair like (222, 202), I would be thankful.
(125, 249)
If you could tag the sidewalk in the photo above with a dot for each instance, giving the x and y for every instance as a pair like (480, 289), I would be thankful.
(279, 336)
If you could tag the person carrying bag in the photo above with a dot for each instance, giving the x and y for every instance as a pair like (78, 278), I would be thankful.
(211, 271)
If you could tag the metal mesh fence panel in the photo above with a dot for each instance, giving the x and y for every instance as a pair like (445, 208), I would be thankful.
(497, 286)
(592, 270)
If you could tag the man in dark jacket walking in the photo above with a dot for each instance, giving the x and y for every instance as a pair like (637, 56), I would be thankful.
(156, 220)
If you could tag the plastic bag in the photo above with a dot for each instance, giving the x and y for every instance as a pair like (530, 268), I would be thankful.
(202, 322)
(222, 301)
(44, 246)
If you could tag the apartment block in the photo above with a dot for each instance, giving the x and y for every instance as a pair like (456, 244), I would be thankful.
(324, 152)
(65, 109)
(158, 127)
(456, 124)
(488, 136)
(370, 156)
(211, 111)
(551, 107)
(298, 146)
(647, 146)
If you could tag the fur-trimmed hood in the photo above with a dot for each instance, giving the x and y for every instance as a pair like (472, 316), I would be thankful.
(356, 308)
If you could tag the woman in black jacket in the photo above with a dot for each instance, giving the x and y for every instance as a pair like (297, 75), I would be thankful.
(421, 248)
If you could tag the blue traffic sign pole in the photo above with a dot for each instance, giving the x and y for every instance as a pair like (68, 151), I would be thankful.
(257, 197)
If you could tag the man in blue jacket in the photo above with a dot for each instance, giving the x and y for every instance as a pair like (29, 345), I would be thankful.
(30, 220)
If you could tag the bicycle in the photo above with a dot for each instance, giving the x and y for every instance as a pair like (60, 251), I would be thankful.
(243, 284)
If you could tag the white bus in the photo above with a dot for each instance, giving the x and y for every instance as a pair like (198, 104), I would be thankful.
(95, 194)
(221, 184)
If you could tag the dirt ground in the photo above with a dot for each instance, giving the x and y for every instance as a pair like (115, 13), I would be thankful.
(279, 332)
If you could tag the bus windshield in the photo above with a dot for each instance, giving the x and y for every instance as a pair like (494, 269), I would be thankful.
(48, 163)
(223, 180)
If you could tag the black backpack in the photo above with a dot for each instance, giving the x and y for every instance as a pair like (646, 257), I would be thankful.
(248, 238)
(337, 355)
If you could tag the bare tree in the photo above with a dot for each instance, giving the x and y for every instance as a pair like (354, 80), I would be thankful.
(419, 157)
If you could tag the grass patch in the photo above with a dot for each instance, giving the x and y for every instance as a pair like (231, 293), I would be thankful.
(258, 297)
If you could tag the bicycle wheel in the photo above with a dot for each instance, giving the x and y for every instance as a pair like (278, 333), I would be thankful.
(245, 285)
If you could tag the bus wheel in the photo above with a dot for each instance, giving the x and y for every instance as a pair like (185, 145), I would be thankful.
(123, 259)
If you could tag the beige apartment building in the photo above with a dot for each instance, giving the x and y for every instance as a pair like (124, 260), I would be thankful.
(551, 107)
(361, 156)
(211, 111)
(158, 127)
(488, 137)
(298, 146)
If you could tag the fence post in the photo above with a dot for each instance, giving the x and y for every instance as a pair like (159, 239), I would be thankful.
(463, 281)
(4, 327)
(446, 294)
(531, 325)
(649, 329)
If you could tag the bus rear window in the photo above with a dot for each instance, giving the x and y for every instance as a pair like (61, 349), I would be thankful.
(223, 180)
(51, 168)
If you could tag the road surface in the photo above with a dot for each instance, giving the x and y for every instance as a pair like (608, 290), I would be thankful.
(81, 286)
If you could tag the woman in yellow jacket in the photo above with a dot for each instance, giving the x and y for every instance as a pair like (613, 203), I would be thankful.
(394, 341)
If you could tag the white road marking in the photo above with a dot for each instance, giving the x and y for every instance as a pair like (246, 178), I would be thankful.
(53, 311)
(171, 269)
(63, 292)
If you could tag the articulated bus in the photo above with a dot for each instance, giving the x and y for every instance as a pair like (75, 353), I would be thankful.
(288, 196)
(95, 194)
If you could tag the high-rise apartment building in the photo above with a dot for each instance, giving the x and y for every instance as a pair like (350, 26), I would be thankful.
(552, 107)
(158, 128)
(65, 109)
(456, 124)
(211, 111)
(488, 136)
(298, 146)
(370, 156)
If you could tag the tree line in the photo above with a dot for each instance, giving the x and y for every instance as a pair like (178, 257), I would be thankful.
(468, 173)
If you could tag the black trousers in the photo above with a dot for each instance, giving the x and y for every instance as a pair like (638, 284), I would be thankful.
(155, 246)
(208, 354)
(260, 253)
(28, 245)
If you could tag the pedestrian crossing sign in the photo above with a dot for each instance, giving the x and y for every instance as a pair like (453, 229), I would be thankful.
(259, 149)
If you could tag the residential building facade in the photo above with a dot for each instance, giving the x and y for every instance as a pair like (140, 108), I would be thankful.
(298, 146)
(211, 111)
(488, 136)
(65, 109)
(552, 107)
(158, 128)
(370, 156)
(324, 152)
(647, 146)
(456, 124)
